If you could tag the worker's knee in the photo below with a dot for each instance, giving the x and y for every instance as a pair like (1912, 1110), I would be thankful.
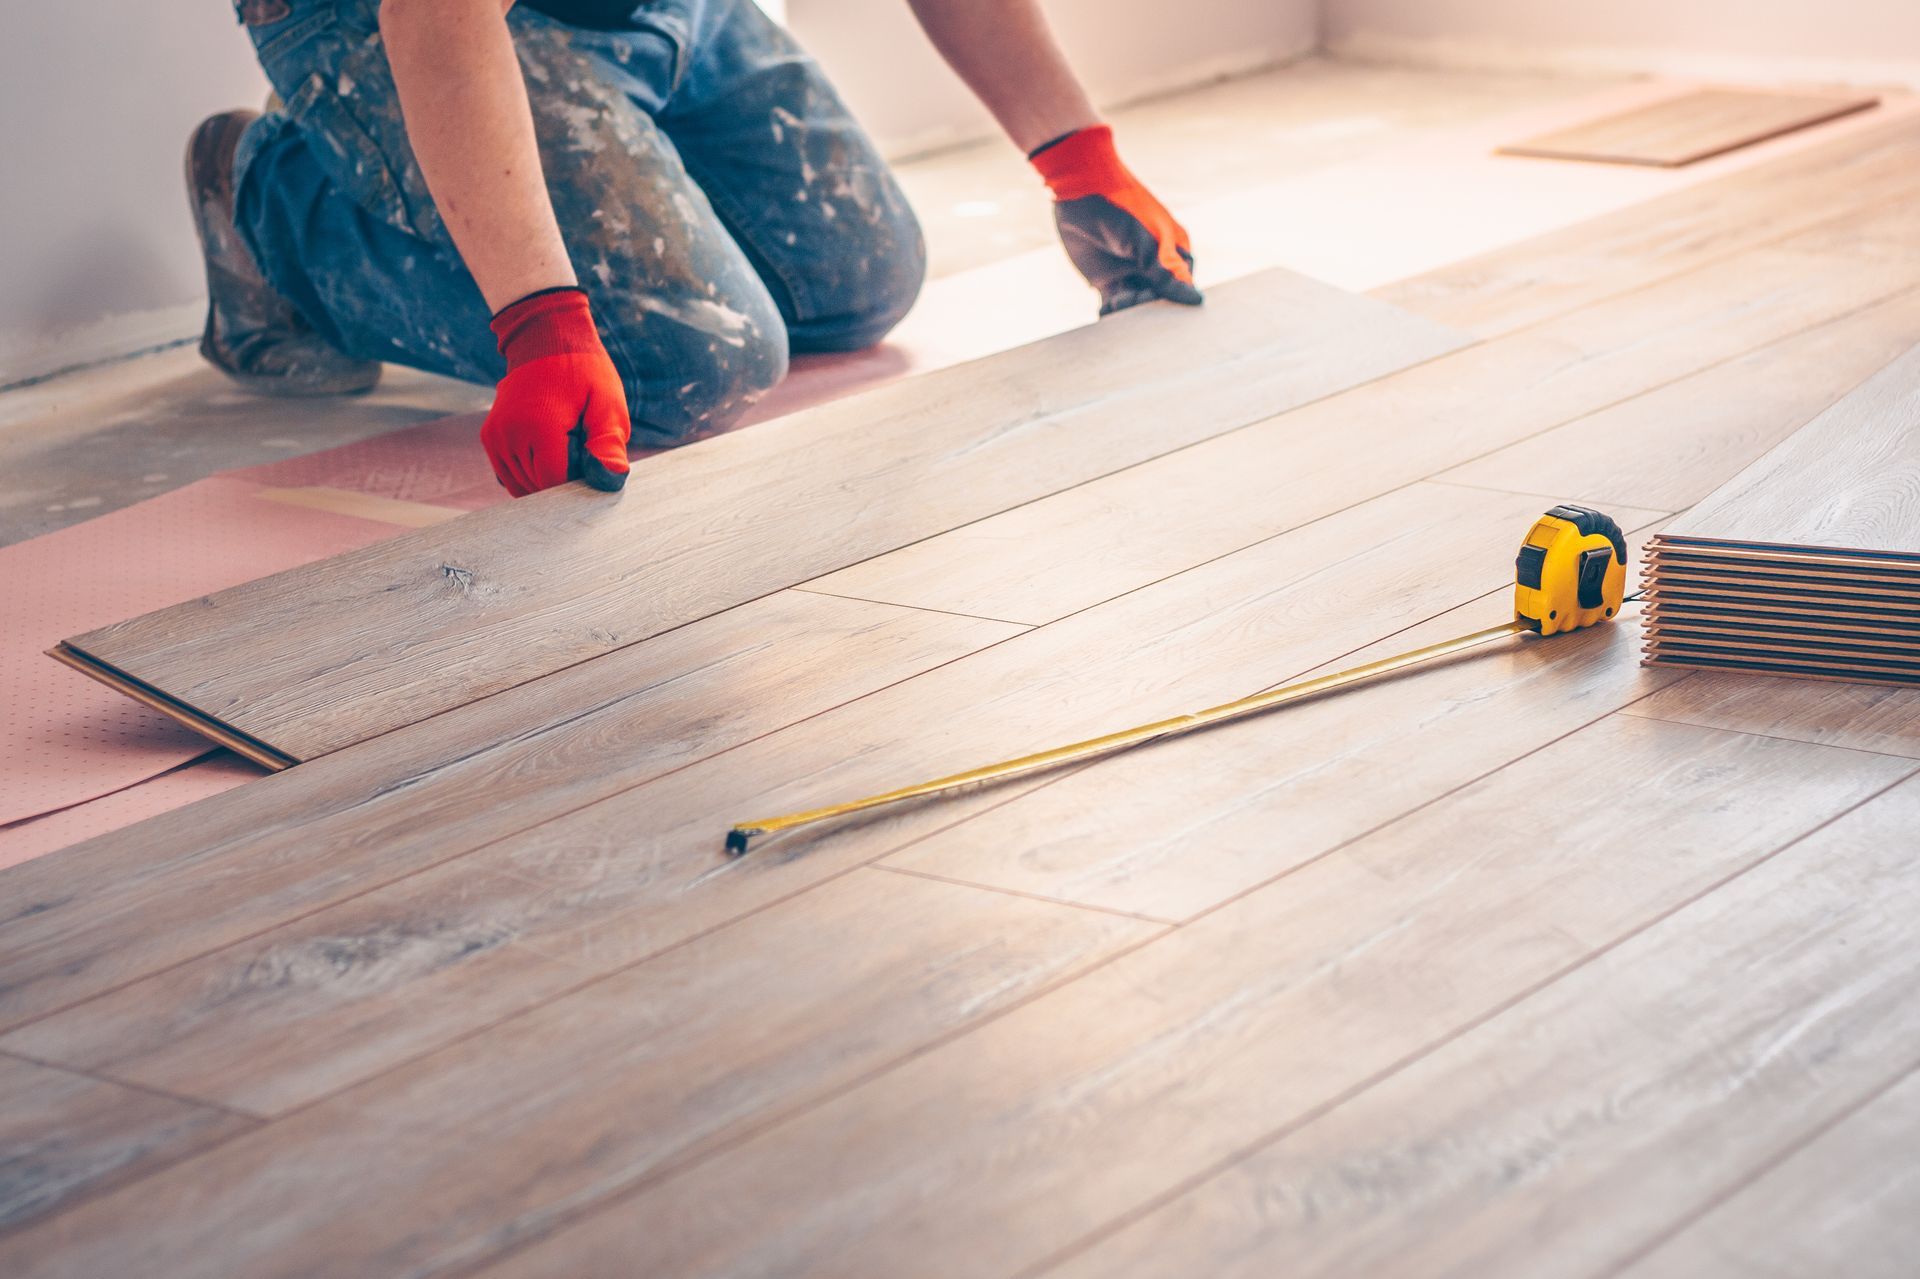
(867, 288)
(693, 366)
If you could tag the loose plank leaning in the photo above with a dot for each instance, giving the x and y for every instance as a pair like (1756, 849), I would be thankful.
(90, 917)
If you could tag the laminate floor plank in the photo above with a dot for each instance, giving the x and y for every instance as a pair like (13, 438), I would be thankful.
(1848, 480)
(1000, 1149)
(1552, 274)
(1068, 551)
(1810, 621)
(1786, 658)
(1861, 716)
(63, 1135)
(1691, 126)
(304, 1009)
(1562, 1136)
(469, 1150)
(1848, 1203)
(1672, 446)
(1699, 659)
(442, 616)
(105, 912)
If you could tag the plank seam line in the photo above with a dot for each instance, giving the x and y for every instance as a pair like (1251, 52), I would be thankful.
(1772, 737)
(1015, 892)
(918, 608)
(101, 1077)
(1766, 1165)
(1315, 1113)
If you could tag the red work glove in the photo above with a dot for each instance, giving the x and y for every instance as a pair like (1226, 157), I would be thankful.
(1121, 238)
(560, 413)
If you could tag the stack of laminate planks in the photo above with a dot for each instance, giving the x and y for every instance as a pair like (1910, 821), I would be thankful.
(1808, 562)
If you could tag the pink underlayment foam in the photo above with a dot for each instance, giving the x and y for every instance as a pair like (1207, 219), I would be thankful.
(1352, 225)
(68, 739)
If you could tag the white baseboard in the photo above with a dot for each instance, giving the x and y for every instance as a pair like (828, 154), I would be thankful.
(1478, 55)
(31, 355)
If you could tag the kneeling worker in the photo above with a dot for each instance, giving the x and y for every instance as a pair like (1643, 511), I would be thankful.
(626, 214)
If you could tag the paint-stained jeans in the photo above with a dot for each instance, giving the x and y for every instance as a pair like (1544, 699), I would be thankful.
(721, 207)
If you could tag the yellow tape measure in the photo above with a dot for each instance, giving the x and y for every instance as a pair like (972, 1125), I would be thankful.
(1571, 573)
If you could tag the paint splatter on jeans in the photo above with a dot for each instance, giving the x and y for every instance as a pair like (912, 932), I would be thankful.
(721, 207)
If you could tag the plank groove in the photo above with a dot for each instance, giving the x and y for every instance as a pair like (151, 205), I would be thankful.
(1859, 716)
(439, 617)
(63, 1135)
(1847, 1203)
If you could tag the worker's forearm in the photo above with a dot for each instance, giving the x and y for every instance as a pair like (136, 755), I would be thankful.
(465, 105)
(1007, 55)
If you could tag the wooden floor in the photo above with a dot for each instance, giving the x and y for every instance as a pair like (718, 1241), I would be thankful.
(1539, 962)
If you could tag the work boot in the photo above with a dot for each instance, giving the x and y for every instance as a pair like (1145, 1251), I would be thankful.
(253, 334)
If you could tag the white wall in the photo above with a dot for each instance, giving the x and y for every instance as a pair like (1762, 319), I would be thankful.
(97, 254)
(1866, 42)
(1124, 49)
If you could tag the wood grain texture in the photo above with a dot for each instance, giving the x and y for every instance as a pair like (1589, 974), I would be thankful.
(1862, 717)
(1849, 480)
(1672, 446)
(63, 1135)
(1178, 827)
(314, 1005)
(996, 1151)
(475, 1148)
(1888, 626)
(91, 917)
(1848, 1203)
(439, 617)
(1564, 1135)
(1690, 127)
(1552, 274)
(1065, 552)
